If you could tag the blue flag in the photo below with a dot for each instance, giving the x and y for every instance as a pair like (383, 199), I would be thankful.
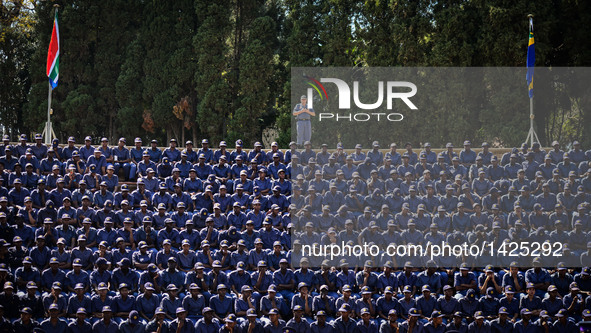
(531, 59)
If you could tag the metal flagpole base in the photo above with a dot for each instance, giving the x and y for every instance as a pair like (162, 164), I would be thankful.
(48, 133)
(532, 137)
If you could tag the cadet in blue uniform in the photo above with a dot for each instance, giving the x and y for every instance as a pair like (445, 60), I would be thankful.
(207, 153)
(8, 160)
(154, 152)
(467, 156)
(87, 150)
(173, 154)
(122, 159)
(39, 149)
(21, 149)
(5, 144)
(54, 323)
(556, 154)
(191, 153)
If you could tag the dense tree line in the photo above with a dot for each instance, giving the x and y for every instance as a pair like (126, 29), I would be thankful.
(221, 69)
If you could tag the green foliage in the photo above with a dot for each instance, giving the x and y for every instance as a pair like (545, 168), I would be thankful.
(78, 105)
(256, 69)
(128, 90)
(16, 28)
(125, 64)
(211, 84)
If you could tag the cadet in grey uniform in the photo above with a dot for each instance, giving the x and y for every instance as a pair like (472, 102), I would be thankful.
(303, 114)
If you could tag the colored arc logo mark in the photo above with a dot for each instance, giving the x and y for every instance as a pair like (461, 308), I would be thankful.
(315, 84)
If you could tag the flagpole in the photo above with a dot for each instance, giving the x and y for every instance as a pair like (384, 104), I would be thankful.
(48, 127)
(531, 135)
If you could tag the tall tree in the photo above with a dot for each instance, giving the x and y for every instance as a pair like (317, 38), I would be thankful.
(17, 19)
(128, 90)
(117, 25)
(226, 65)
(256, 69)
(374, 31)
(169, 63)
(211, 83)
(336, 34)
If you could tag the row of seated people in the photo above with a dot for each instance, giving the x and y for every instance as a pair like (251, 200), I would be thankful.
(122, 154)
(437, 322)
(496, 303)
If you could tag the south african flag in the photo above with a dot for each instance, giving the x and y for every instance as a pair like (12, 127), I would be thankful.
(53, 55)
